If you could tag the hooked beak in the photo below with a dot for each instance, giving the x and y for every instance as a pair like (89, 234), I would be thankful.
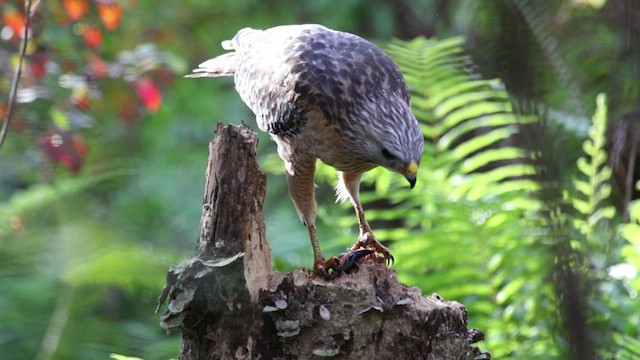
(411, 179)
(410, 173)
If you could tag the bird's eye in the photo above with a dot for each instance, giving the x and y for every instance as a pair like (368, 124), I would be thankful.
(387, 155)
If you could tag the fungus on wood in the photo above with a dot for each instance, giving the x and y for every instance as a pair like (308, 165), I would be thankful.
(229, 303)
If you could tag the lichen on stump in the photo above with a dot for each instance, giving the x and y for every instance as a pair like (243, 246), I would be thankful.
(368, 314)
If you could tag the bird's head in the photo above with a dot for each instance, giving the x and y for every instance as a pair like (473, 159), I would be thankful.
(395, 140)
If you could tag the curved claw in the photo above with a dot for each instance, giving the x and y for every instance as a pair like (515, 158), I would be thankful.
(389, 258)
(368, 241)
(325, 274)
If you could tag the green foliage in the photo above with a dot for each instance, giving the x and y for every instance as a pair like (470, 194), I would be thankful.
(629, 347)
(83, 253)
(594, 189)
(129, 267)
(43, 195)
(474, 229)
(626, 338)
(584, 247)
(469, 233)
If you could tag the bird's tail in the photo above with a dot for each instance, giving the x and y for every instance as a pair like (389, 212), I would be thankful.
(223, 65)
(226, 64)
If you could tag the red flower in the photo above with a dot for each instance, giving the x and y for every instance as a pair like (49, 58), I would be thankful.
(65, 149)
(149, 93)
(92, 36)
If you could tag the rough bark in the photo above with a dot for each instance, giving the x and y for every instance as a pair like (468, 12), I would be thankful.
(230, 304)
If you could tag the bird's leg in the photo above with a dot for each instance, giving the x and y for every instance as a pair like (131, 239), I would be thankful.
(366, 238)
(349, 187)
(318, 260)
(300, 176)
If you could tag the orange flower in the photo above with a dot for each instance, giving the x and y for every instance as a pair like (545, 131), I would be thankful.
(75, 9)
(110, 14)
(14, 20)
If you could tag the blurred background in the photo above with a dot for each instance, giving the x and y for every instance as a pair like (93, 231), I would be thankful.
(524, 210)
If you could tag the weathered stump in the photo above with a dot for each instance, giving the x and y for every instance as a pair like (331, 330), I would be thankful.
(230, 304)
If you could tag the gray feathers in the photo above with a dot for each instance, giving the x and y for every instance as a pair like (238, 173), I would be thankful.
(280, 72)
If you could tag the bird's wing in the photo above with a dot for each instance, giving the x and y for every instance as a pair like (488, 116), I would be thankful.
(340, 71)
(265, 80)
(282, 72)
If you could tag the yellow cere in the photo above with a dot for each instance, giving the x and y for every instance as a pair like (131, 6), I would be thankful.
(412, 168)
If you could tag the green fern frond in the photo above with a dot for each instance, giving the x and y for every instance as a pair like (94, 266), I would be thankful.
(42, 195)
(130, 267)
(452, 105)
(629, 348)
(472, 201)
(593, 190)
(466, 118)
(631, 250)
(631, 231)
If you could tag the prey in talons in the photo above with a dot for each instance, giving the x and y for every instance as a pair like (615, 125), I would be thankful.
(343, 263)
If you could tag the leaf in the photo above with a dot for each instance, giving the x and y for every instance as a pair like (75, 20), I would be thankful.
(584, 167)
(631, 232)
(128, 267)
(634, 211)
(484, 158)
(582, 187)
(471, 110)
(59, 118)
(474, 124)
(123, 357)
(509, 290)
(479, 142)
(582, 206)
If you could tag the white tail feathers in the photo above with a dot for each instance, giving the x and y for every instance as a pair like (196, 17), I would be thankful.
(227, 45)
(223, 65)
(226, 64)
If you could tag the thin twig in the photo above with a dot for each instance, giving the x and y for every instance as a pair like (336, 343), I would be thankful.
(631, 168)
(16, 77)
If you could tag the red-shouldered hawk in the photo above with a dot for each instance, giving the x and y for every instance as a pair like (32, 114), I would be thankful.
(328, 95)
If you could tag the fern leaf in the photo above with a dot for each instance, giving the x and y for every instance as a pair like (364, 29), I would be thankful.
(132, 268)
(41, 195)
(477, 143)
(472, 195)
(593, 190)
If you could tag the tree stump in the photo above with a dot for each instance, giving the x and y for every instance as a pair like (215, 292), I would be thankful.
(230, 304)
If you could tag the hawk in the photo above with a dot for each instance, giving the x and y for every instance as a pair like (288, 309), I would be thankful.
(328, 95)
